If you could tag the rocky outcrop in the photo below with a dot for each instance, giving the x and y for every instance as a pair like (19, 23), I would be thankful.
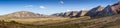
(94, 12)
(67, 14)
(116, 7)
(58, 14)
(107, 11)
(110, 10)
(78, 14)
(81, 13)
(72, 13)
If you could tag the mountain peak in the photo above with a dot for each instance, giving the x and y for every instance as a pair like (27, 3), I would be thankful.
(116, 7)
(116, 4)
(108, 5)
(24, 11)
(99, 6)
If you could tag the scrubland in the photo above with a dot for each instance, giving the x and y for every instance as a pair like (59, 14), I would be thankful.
(61, 22)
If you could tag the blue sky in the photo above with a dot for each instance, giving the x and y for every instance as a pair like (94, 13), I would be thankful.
(50, 6)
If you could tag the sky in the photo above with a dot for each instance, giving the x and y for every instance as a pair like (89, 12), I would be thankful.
(50, 6)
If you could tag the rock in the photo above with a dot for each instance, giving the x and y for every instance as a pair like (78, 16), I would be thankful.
(81, 13)
(116, 7)
(107, 11)
(94, 12)
(67, 14)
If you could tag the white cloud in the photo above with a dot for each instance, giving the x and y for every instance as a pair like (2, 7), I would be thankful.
(61, 2)
(68, 10)
(42, 7)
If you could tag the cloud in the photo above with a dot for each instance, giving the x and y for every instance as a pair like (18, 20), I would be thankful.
(61, 2)
(42, 7)
(68, 10)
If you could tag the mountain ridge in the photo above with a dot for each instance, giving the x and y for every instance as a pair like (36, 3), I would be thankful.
(98, 11)
(23, 14)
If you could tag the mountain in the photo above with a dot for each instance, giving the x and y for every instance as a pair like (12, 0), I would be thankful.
(81, 13)
(94, 12)
(107, 11)
(67, 14)
(71, 13)
(23, 14)
(116, 7)
(111, 9)
(57, 14)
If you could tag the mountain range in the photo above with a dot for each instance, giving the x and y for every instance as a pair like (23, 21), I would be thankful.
(94, 12)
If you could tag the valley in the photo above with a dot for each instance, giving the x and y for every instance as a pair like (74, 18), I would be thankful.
(97, 17)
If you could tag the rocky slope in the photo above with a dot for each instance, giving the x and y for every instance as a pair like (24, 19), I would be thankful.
(116, 7)
(95, 11)
(107, 11)
(71, 13)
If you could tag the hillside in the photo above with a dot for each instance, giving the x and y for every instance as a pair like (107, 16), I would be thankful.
(22, 14)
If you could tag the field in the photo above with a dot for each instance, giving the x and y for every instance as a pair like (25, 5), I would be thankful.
(39, 21)
(61, 22)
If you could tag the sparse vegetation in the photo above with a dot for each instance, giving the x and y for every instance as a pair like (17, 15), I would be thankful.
(60, 23)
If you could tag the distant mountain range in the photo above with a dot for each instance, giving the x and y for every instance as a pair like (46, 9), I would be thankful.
(94, 12)
(72, 13)
(23, 14)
